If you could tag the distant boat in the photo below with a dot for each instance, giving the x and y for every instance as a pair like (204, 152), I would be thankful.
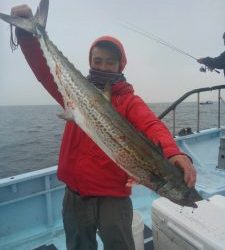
(206, 102)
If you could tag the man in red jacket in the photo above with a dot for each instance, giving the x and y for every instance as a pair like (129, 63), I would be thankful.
(97, 192)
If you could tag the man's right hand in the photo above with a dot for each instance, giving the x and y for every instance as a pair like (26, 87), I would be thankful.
(22, 11)
(200, 60)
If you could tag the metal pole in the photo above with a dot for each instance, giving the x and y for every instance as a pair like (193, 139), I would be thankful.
(198, 114)
(219, 97)
(174, 121)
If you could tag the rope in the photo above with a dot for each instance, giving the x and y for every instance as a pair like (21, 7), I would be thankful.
(13, 41)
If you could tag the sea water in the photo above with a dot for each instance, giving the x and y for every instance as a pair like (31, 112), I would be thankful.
(30, 136)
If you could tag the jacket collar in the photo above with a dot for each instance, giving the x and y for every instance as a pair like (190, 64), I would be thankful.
(122, 88)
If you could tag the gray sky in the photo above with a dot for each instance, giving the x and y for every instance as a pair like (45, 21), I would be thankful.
(157, 73)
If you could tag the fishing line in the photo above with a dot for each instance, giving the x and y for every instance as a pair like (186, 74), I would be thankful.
(161, 41)
(155, 38)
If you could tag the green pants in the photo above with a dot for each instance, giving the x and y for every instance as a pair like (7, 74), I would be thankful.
(112, 217)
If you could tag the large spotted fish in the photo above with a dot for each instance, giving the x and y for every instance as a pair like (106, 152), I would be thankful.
(130, 150)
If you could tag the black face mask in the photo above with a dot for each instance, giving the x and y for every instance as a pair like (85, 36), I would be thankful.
(100, 78)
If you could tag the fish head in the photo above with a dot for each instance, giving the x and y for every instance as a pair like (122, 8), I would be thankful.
(189, 198)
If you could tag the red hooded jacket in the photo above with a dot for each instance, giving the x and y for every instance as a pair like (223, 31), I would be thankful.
(83, 166)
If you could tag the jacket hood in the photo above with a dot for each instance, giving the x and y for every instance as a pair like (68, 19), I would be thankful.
(117, 43)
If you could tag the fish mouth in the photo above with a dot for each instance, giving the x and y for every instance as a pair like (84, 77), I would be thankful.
(186, 197)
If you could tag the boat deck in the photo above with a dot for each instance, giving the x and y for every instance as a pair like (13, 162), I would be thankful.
(34, 220)
(203, 147)
(30, 204)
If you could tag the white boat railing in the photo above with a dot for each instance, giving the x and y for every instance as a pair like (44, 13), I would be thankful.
(173, 106)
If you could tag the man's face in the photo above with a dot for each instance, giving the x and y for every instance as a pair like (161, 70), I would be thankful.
(104, 60)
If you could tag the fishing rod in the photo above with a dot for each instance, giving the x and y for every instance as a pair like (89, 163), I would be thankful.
(161, 41)
(222, 100)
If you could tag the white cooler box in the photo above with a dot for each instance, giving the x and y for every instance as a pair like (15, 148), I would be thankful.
(177, 228)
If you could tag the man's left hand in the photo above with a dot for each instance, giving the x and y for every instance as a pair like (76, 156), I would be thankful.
(183, 162)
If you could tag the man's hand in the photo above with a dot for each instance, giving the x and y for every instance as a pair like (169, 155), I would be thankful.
(22, 11)
(200, 60)
(183, 162)
(132, 181)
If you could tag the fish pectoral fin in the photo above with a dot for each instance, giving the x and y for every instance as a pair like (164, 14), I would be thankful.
(107, 92)
(66, 115)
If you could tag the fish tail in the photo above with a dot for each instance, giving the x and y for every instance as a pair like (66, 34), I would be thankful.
(42, 13)
(29, 24)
